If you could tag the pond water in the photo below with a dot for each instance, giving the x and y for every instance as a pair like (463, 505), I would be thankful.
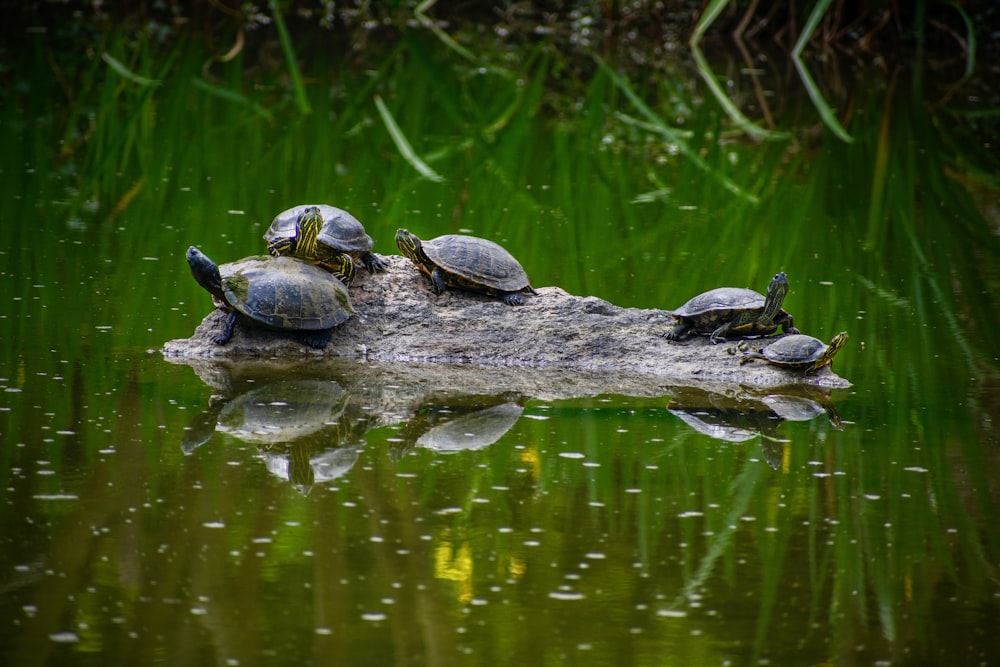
(159, 511)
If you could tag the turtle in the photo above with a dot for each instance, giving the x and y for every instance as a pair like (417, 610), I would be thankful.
(280, 293)
(325, 235)
(734, 312)
(469, 263)
(799, 352)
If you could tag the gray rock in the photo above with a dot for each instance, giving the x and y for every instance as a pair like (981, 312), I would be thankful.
(397, 318)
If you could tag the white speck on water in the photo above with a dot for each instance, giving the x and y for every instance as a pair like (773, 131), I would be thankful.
(915, 469)
(214, 524)
(199, 611)
(595, 555)
(872, 496)
(566, 595)
(571, 455)
(323, 631)
(689, 514)
(671, 613)
(64, 637)
(374, 616)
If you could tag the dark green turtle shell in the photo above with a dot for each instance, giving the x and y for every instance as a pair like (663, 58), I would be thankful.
(477, 264)
(341, 231)
(732, 311)
(285, 293)
(799, 352)
(711, 309)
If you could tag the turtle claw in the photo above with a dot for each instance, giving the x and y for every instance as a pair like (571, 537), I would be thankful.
(513, 299)
(374, 263)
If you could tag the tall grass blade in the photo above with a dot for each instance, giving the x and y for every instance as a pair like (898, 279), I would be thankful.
(293, 66)
(230, 96)
(445, 38)
(405, 149)
(970, 42)
(711, 13)
(125, 72)
(825, 112)
(671, 134)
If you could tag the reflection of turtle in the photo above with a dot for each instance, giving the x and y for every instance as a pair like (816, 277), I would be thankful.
(475, 430)
(283, 411)
(279, 412)
(734, 312)
(799, 352)
(305, 466)
(736, 425)
(801, 409)
(469, 263)
(329, 236)
(725, 425)
(280, 293)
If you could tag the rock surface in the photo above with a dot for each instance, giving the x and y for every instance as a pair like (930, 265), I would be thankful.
(398, 319)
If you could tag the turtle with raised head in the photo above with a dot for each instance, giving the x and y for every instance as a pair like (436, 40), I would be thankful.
(325, 235)
(468, 263)
(733, 312)
(799, 352)
(280, 293)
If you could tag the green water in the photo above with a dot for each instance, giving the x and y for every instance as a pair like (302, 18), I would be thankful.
(141, 525)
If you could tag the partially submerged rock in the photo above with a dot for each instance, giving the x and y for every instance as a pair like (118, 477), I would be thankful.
(398, 318)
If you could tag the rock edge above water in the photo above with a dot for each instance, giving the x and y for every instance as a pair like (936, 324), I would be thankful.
(398, 318)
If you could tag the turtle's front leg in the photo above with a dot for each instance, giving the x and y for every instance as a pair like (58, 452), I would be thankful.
(228, 327)
(281, 246)
(437, 281)
(786, 324)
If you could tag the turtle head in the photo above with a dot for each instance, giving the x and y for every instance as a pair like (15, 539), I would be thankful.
(307, 228)
(776, 292)
(409, 245)
(309, 220)
(205, 272)
(838, 342)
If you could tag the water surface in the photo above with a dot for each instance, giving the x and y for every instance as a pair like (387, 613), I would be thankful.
(292, 513)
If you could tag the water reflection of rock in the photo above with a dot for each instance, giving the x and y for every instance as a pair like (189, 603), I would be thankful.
(743, 416)
(449, 408)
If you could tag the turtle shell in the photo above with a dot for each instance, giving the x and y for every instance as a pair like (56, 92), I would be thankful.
(341, 231)
(285, 293)
(721, 302)
(479, 262)
(795, 350)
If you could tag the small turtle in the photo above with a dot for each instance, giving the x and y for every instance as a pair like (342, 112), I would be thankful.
(325, 235)
(799, 352)
(469, 263)
(281, 293)
(734, 312)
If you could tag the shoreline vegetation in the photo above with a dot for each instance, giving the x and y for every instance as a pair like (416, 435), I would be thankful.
(640, 38)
